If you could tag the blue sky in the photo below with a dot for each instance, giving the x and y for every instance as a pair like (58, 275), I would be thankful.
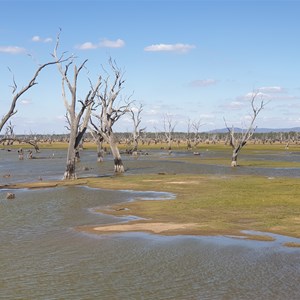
(197, 60)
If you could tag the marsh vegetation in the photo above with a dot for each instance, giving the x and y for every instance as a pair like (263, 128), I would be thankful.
(208, 221)
(260, 195)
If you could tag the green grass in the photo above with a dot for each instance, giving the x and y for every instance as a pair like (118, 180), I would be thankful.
(219, 205)
(182, 146)
(226, 161)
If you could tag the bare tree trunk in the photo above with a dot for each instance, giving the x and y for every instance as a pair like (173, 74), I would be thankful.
(109, 113)
(119, 168)
(98, 139)
(71, 160)
(135, 144)
(169, 128)
(234, 158)
(136, 118)
(77, 155)
(100, 151)
(70, 170)
(73, 117)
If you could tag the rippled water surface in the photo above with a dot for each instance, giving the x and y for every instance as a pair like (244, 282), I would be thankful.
(42, 256)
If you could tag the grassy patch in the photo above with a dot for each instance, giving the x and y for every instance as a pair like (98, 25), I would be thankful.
(219, 205)
(249, 148)
(223, 161)
(292, 245)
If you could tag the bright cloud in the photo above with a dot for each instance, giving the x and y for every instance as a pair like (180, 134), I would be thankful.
(105, 43)
(37, 38)
(203, 82)
(48, 40)
(12, 49)
(26, 102)
(236, 105)
(270, 95)
(271, 89)
(112, 44)
(87, 46)
(233, 105)
(180, 48)
(258, 95)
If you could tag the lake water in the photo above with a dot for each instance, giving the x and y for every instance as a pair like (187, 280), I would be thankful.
(43, 256)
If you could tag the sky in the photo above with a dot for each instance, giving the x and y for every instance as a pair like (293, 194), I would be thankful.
(191, 61)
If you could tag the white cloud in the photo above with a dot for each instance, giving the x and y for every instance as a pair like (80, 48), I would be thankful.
(37, 39)
(257, 95)
(48, 40)
(233, 105)
(269, 93)
(87, 46)
(179, 48)
(285, 97)
(26, 102)
(112, 44)
(271, 89)
(236, 105)
(203, 82)
(12, 49)
(105, 43)
(272, 94)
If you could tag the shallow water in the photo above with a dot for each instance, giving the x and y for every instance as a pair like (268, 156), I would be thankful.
(42, 256)
(50, 165)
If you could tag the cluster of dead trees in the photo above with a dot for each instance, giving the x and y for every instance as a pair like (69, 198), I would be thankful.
(98, 111)
(102, 106)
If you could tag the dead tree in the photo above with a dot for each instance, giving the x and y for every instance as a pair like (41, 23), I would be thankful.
(136, 118)
(239, 140)
(196, 127)
(169, 127)
(17, 93)
(109, 113)
(77, 121)
(98, 138)
(188, 135)
(10, 137)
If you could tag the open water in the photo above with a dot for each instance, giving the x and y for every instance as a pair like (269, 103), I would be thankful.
(42, 256)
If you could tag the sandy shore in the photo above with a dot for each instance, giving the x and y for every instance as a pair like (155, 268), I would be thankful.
(154, 227)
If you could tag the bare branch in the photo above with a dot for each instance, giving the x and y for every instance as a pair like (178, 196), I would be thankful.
(18, 94)
(238, 143)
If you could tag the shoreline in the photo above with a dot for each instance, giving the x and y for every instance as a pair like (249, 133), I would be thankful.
(177, 230)
(153, 223)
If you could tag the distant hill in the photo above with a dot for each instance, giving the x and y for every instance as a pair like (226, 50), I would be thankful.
(258, 130)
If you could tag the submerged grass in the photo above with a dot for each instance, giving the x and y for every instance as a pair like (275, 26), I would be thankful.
(218, 205)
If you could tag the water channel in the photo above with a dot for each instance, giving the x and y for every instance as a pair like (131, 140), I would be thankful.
(43, 256)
